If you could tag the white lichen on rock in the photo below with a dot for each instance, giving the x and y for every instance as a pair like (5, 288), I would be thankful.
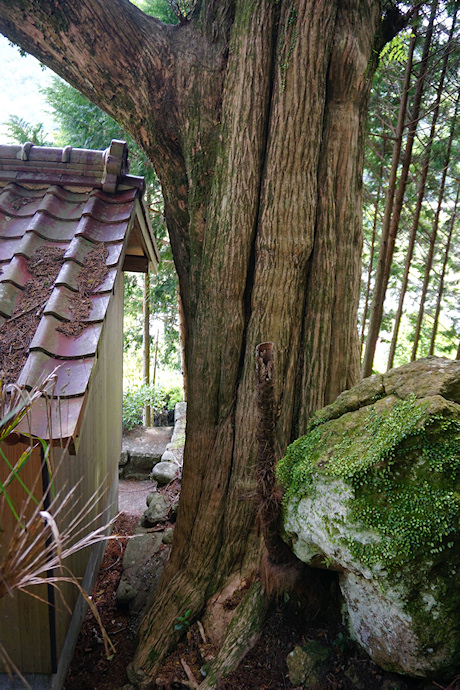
(373, 492)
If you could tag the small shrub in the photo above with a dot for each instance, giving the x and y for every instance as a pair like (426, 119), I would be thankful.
(183, 622)
(160, 399)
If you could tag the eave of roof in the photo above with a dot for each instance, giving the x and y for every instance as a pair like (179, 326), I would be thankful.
(70, 202)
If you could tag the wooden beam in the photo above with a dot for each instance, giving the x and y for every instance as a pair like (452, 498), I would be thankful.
(138, 264)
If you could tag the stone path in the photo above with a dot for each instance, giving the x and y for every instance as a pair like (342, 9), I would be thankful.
(141, 449)
(132, 495)
(144, 451)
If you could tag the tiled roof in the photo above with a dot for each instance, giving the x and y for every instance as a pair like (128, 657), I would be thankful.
(65, 221)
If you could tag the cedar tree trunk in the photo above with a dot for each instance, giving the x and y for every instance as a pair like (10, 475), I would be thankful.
(252, 113)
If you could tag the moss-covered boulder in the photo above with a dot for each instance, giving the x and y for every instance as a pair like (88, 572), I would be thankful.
(373, 492)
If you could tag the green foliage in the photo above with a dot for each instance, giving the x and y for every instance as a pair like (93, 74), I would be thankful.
(381, 126)
(408, 516)
(82, 124)
(409, 519)
(21, 131)
(183, 622)
(396, 50)
(15, 404)
(153, 655)
(14, 473)
(163, 300)
(342, 641)
(161, 9)
(158, 398)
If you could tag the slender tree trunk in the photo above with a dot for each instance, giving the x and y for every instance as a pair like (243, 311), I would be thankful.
(374, 233)
(146, 344)
(378, 299)
(443, 274)
(433, 236)
(393, 212)
(420, 196)
(155, 359)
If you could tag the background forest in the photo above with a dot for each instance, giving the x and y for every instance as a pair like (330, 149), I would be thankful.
(411, 261)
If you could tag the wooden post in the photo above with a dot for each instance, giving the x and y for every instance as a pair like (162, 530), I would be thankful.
(146, 344)
(155, 358)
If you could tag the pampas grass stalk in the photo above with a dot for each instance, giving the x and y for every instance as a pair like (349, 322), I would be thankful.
(38, 549)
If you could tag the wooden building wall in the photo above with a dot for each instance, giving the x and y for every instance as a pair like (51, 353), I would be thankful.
(33, 633)
(20, 612)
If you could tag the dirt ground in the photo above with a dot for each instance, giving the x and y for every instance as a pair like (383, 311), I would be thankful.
(264, 668)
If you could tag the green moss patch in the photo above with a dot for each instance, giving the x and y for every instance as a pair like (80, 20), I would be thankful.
(402, 461)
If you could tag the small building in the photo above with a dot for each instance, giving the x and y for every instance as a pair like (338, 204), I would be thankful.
(71, 221)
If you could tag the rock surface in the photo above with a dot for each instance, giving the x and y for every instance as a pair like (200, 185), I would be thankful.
(142, 448)
(308, 664)
(147, 553)
(157, 510)
(174, 451)
(372, 491)
(164, 472)
(143, 563)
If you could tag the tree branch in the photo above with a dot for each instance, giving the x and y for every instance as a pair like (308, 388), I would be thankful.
(116, 55)
(393, 22)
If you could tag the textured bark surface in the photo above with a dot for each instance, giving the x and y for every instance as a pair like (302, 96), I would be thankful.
(252, 113)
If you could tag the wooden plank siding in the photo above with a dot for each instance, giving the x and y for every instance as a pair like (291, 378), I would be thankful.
(24, 622)
(98, 448)
(21, 611)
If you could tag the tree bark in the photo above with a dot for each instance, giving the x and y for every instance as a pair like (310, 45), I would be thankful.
(253, 115)
(372, 252)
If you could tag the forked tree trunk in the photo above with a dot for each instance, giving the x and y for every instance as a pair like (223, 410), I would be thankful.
(252, 113)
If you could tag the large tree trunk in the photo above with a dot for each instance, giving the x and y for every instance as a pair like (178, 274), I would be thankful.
(252, 113)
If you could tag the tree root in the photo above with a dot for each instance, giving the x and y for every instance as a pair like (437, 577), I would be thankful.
(242, 634)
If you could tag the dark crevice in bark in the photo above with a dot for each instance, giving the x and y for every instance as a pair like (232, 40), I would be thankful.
(295, 425)
(252, 255)
(269, 495)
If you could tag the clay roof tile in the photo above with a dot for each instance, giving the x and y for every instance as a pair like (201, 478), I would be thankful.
(64, 228)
